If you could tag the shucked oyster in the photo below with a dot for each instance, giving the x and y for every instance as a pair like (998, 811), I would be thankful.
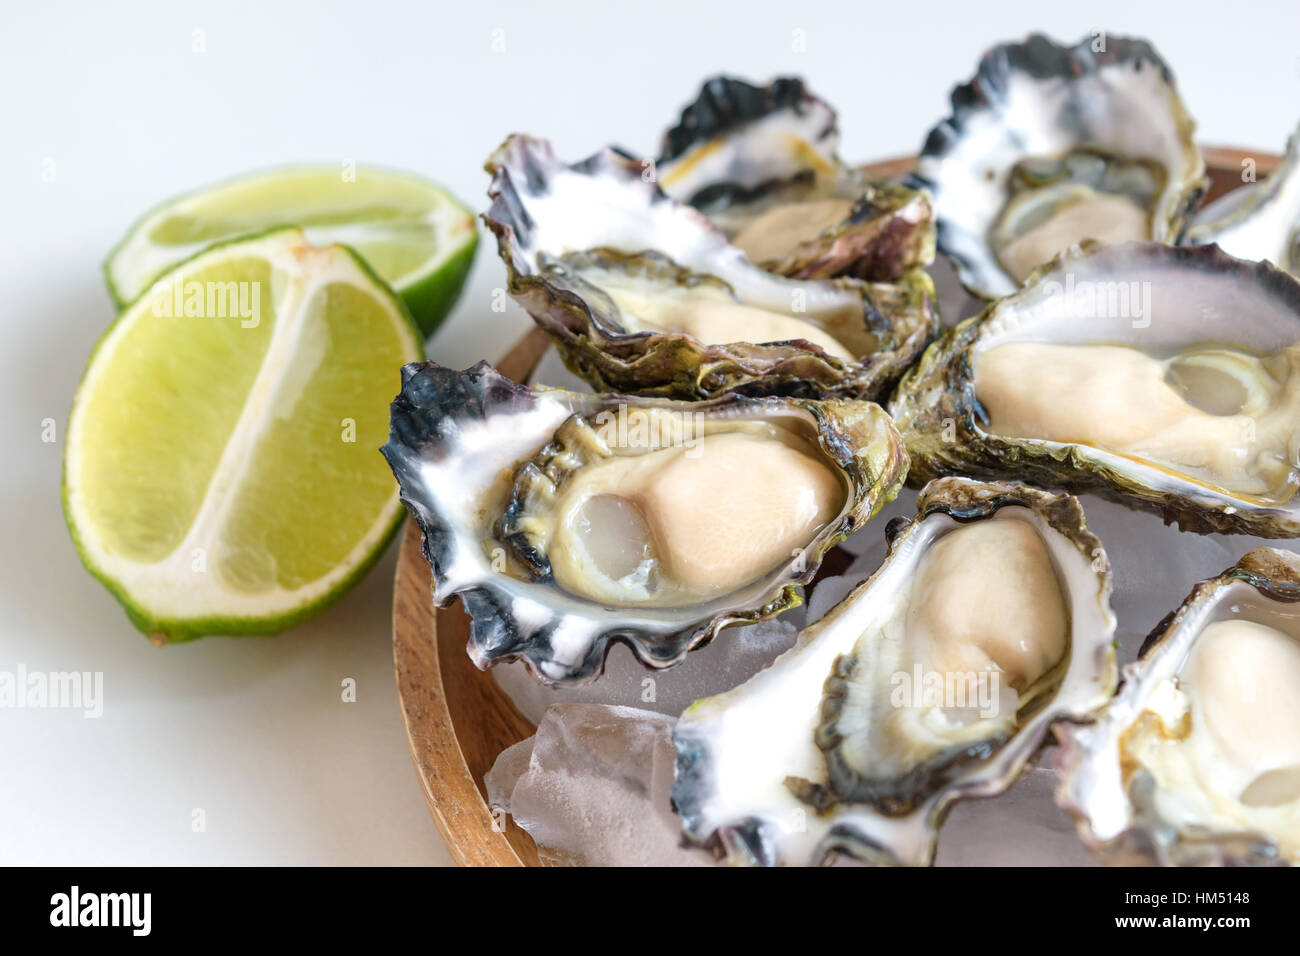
(641, 294)
(1264, 224)
(1197, 759)
(933, 681)
(760, 162)
(1165, 378)
(1050, 145)
(567, 520)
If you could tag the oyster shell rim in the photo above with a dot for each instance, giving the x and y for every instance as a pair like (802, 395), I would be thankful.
(1242, 215)
(973, 97)
(716, 111)
(879, 240)
(676, 365)
(1277, 578)
(890, 229)
(421, 429)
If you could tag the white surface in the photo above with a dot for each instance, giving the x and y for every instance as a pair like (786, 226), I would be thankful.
(253, 731)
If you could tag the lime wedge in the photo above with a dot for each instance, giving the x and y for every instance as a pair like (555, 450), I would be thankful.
(414, 234)
(221, 474)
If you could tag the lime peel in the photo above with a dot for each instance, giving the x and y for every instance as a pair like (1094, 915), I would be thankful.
(414, 234)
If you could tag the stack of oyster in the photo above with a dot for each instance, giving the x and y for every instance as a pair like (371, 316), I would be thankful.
(768, 368)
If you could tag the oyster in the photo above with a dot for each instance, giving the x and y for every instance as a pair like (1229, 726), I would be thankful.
(1264, 223)
(934, 680)
(641, 294)
(1050, 145)
(760, 162)
(1164, 378)
(1197, 759)
(566, 520)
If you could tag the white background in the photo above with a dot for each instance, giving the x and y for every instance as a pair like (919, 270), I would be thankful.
(253, 731)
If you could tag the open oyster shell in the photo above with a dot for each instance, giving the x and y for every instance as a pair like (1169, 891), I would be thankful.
(1264, 224)
(760, 162)
(817, 753)
(614, 271)
(1049, 145)
(1196, 761)
(535, 505)
(1125, 350)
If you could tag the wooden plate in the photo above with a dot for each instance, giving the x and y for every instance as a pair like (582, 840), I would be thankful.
(457, 719)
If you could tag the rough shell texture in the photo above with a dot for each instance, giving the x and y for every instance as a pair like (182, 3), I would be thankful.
(1038, 98)
(726, 105)
(543, 209)
(455, 440)
(753, 814)
(738, 143)
(1115, 817)
(889, 233)
(1193, 296)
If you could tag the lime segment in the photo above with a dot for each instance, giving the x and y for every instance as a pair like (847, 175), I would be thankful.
(221, 473)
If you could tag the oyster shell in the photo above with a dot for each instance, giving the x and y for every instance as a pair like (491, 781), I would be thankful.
(1196, 761)
(565, 520)
(641, 294)
(933, 681)
(1049, 145)
(1264, 224)
(761, 163)
(1164, 378)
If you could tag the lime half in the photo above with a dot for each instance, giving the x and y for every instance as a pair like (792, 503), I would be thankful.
(414, 234)
(221, 473)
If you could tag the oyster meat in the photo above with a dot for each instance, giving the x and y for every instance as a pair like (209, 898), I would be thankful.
(566, 520)
(934, 680)
(1261, 222)
(1165, 378)
(761, 163)
(1197, 759)
(641, 294)
(1050, 145)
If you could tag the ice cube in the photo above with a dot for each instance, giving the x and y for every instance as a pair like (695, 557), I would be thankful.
(734, 656)
(1022, 827)
(594, 790)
